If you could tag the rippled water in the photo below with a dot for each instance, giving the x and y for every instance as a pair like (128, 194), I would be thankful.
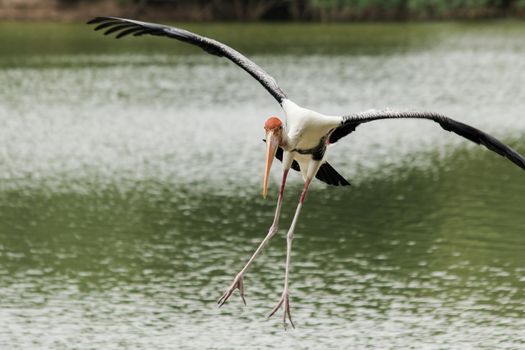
(117, 231)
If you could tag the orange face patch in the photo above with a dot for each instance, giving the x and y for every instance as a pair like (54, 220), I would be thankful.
(272, 123)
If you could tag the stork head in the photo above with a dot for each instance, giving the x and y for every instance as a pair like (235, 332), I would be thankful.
(274, 137)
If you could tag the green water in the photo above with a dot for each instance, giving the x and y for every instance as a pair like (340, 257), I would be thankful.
(117, 231)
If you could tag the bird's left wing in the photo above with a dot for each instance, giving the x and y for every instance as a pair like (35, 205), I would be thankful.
(123, 27)
(350, 122)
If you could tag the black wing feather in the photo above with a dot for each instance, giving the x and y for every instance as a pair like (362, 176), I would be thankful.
(346, 128)
(106, 24)
(115, 28)
(124, 27)
(351, 122)
(125, 32)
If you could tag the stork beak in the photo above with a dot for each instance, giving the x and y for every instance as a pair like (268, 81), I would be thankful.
(272, 143)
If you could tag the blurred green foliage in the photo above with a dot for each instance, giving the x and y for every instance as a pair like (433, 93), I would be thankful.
(420, 8)
(332, 9)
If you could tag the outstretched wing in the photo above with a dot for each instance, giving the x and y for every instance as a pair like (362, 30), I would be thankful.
(122, 27)
(350, 122)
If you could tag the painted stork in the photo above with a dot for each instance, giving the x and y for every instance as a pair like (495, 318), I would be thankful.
(301, 142)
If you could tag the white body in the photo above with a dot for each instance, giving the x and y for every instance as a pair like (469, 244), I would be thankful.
(303, 130)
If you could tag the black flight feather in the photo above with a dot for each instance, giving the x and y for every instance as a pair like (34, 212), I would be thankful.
(123, 27)
(351, 122)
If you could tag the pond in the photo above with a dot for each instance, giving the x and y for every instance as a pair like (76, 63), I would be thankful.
(131, 174)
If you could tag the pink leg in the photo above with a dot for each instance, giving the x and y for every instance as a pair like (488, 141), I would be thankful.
(238, 280)
(289, 237)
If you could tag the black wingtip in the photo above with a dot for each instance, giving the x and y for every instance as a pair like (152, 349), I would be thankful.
(142, 32)
(482, 138)
(97, 20)
(93, 20)
(105, 25)
(104, 19)
(128, 31)
(116, 28)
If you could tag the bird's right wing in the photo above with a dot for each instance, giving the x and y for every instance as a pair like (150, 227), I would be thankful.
(123, 27)
(350, 122)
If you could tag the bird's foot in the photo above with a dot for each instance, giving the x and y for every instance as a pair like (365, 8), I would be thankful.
(237, 283)
(285, 303)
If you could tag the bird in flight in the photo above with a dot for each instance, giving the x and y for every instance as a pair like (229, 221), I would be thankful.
(301, 141)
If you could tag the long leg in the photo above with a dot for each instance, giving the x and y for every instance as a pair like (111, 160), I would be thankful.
(312, 170)
(238, 282)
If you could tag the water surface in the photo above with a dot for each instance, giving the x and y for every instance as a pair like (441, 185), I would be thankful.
(131, 177)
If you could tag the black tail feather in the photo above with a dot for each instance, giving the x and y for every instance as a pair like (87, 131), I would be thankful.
(326, 173)
(330, 176)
